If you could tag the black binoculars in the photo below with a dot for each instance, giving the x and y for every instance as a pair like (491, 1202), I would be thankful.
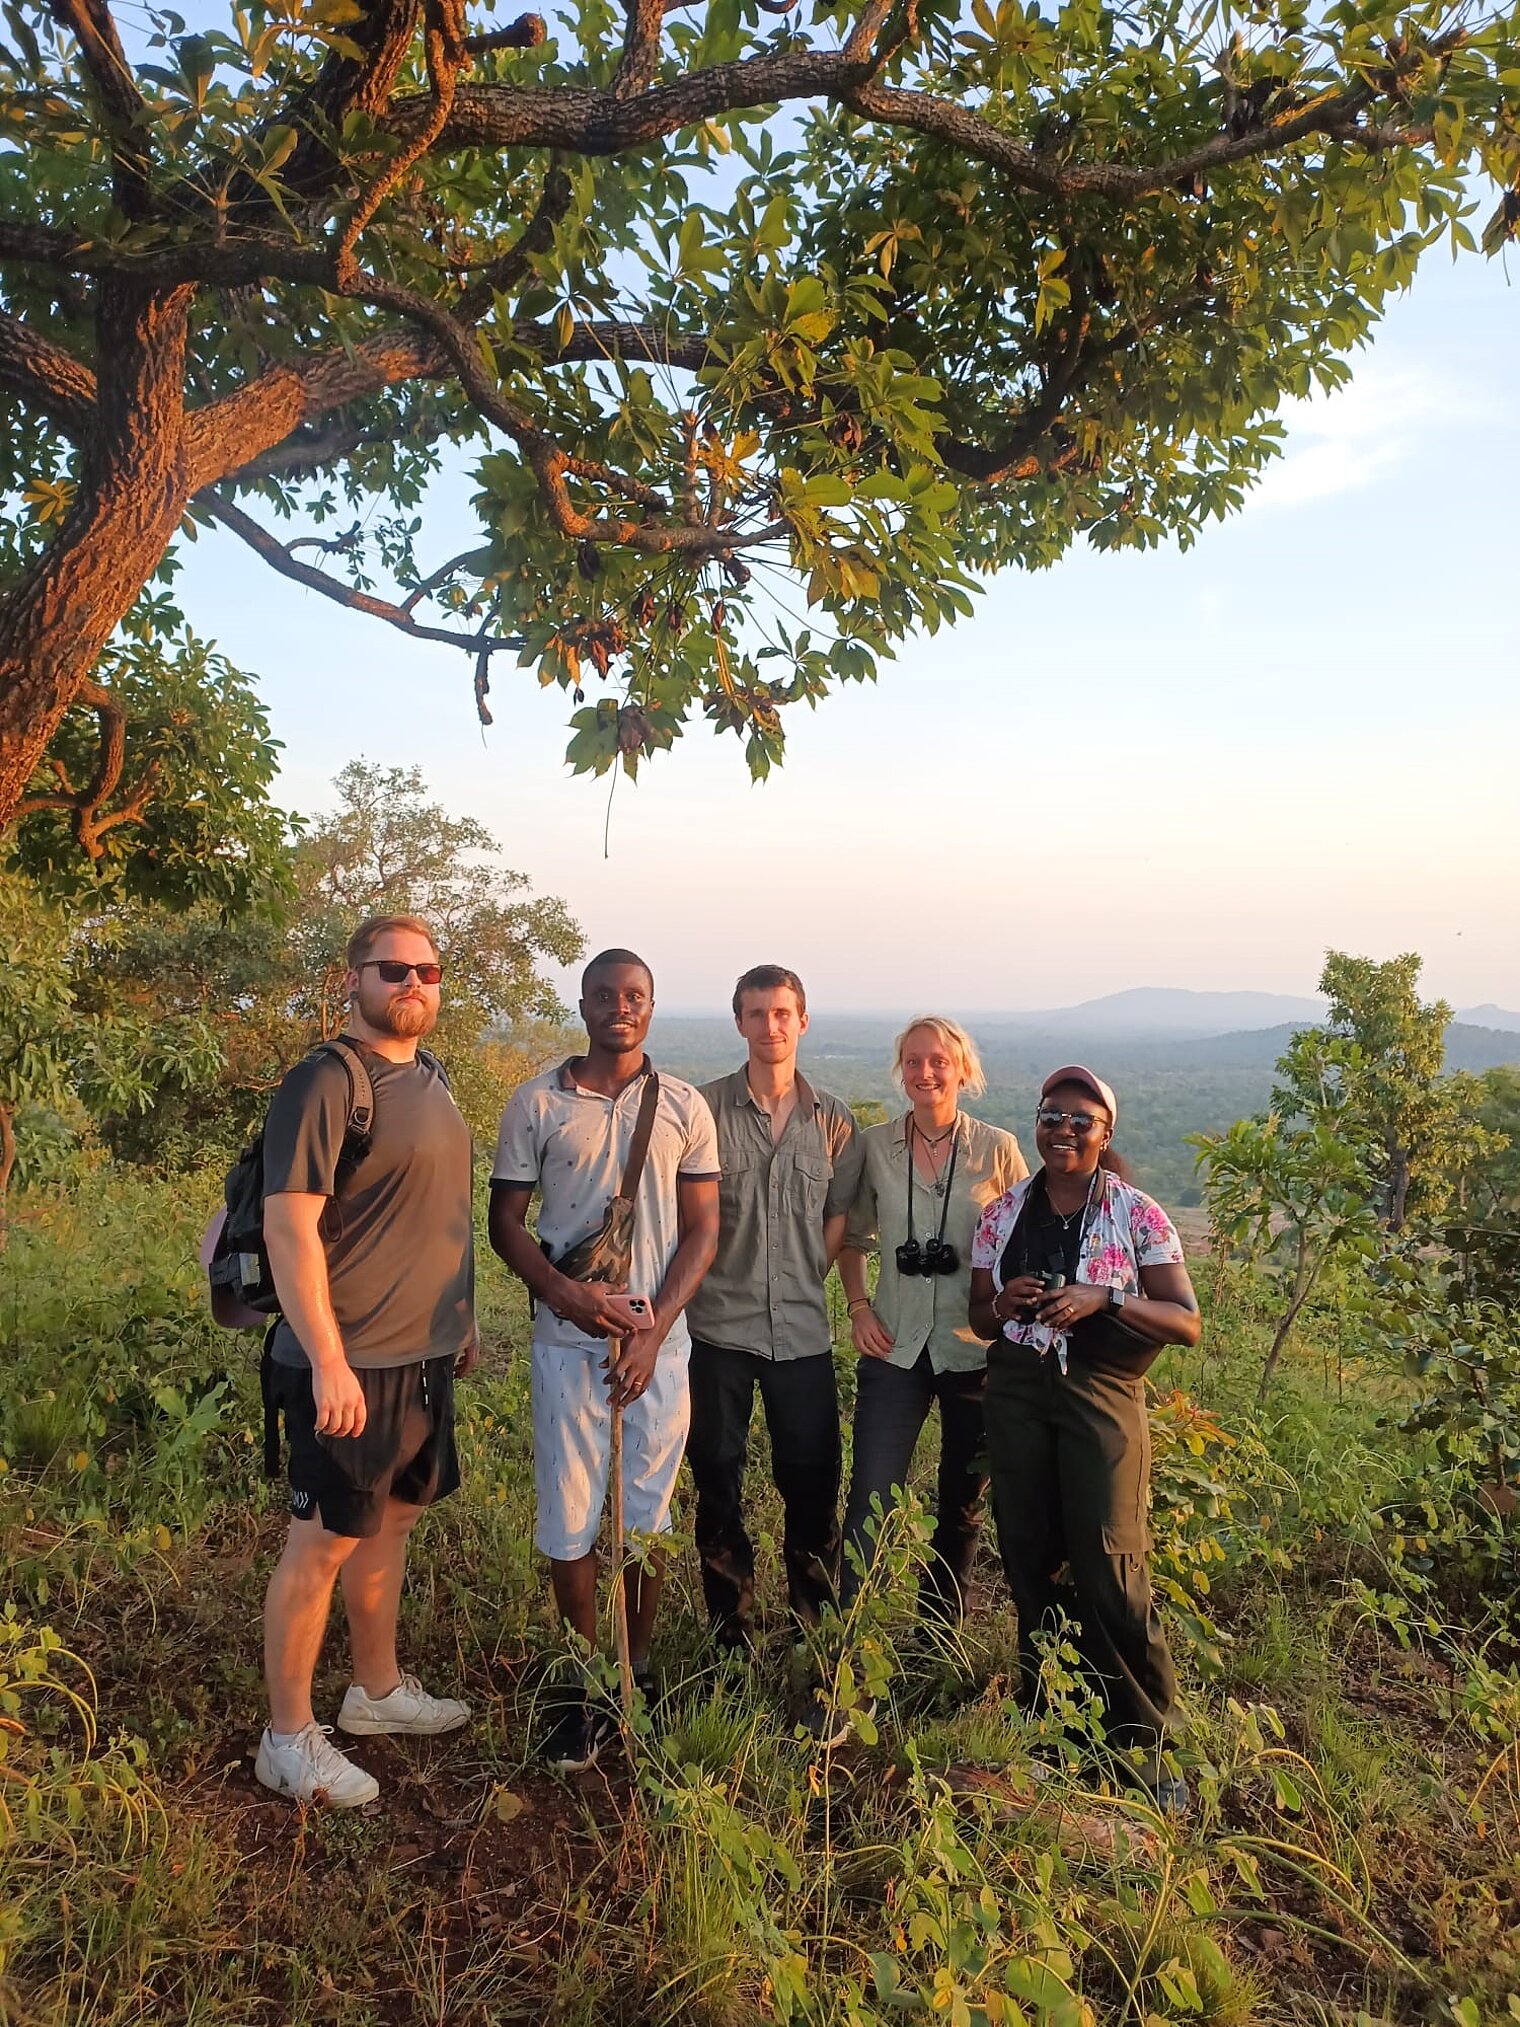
(932, 1257)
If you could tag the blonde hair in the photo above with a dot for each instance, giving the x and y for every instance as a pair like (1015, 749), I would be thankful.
(956, 1040)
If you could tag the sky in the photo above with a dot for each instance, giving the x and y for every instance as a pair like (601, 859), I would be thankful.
(1196, 770)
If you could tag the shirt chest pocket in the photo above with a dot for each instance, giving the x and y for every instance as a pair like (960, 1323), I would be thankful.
(806, 1184)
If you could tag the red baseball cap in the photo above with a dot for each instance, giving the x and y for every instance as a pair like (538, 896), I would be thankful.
(1077, 1073)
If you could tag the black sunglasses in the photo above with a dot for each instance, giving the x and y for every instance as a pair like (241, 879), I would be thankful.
(394, 972)
(1079, 1122)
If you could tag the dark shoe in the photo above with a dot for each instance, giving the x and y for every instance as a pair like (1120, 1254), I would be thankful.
(578, 1735)
(826, 1725)
(1172, 1795)
(652, 1689)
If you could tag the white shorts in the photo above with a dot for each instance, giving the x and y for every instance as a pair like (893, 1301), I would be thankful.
(572, 1446)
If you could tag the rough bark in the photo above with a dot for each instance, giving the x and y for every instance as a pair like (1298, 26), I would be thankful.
(132, 493)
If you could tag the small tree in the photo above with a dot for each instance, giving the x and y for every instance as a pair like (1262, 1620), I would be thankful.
(1381, 1055)
(57, 1055)
(1297, 1196)
(270, 986)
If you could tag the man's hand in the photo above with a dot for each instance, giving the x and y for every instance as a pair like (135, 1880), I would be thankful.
(469, 1358)
(583, 1303)
(1063, 1307)
(869, 1336)
(631, 1363)
(339, 1398)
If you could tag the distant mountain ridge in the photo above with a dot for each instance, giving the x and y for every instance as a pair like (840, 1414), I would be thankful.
(1166, 1013)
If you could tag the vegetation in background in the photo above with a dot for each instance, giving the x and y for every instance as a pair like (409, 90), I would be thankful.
(1365, 1129)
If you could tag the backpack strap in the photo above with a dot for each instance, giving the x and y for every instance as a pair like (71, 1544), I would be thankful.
(638, 1147)
(361, 1090)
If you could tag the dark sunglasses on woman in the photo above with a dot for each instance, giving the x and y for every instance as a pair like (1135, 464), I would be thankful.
(1079, 1122)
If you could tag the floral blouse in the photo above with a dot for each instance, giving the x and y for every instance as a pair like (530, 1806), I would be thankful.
(1123, 1231)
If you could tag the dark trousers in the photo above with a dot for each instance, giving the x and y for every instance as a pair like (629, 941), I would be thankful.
(1070, 1457)
(801, 1402)
(892, 1403)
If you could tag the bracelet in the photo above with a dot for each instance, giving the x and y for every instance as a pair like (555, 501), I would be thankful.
(860, 1302)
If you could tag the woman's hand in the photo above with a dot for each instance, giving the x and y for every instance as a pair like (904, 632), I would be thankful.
(1016, 1298)
(1063, 1307)
(868, 1336)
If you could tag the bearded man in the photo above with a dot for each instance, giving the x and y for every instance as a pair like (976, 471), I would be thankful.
(370, 1246)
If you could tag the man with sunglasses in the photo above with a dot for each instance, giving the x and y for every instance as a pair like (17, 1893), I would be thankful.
(370, 1245)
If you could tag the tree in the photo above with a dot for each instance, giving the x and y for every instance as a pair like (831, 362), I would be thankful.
(1382, 1053)
(57, 1055)
(716, 296)
(1297, 1195)
(183, 818)
(271, 986)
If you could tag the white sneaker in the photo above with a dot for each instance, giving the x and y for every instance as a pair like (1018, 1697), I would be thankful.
(311, 1768)
(407, 1709)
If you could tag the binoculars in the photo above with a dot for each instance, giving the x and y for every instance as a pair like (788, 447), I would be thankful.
(934, 1256)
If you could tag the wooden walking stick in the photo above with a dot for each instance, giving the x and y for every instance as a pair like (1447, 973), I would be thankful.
(619, 1574)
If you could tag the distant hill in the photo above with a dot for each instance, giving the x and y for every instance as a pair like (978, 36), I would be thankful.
(1166, 1013)
(1490, 1016)
(1168, 1086)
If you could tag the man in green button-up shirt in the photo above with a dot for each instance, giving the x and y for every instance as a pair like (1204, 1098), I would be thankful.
(790, 1160)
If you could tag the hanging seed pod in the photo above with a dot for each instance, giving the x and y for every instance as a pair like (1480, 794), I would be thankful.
(675, 617)
(633, 729)
(719, 613)
(738, 573)
(644, 609)
(588, 562)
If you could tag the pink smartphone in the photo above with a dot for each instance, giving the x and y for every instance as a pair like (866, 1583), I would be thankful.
(637, 1311)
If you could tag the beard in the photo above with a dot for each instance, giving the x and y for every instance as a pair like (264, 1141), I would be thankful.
(405, 1017)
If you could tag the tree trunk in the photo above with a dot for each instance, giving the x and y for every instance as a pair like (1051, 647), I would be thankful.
(7, 1163)
(133, 491)
(1304, 1278)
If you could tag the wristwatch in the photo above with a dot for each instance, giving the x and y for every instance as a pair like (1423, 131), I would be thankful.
(1116, 1300)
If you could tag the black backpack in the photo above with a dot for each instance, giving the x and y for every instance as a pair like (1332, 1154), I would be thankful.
(238, 1266)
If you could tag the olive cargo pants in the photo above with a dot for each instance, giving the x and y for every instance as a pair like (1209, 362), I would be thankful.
(1070, 1461)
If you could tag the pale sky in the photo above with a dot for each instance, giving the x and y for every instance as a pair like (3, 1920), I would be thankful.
(1149, 769)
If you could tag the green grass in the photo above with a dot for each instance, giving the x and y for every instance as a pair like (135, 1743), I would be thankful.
(1351, 1857)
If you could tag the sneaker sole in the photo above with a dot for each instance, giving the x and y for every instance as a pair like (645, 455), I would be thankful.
(324, 1796)
(375, 1727)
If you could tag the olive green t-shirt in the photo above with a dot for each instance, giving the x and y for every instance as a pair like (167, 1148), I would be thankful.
(398, 1234)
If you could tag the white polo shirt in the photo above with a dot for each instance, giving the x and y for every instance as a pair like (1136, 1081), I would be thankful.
(571, 1145)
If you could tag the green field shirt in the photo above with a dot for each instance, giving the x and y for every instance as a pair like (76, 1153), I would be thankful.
(764, 1291)
(915, 1309)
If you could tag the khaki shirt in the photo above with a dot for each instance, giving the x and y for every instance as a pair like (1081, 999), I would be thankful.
(764, 1291)
(929, 1309)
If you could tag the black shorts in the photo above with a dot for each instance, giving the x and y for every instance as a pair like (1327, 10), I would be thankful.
(405, 1450)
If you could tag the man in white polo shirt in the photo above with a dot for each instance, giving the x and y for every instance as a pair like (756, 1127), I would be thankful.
(567, 1135)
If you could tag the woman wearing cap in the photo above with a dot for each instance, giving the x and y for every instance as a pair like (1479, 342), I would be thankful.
(925, 1180)
(1078, 1280)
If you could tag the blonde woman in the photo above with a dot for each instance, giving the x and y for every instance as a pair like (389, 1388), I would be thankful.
(926, 1179)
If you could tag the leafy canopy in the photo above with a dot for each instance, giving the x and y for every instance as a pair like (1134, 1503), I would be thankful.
(764, 333)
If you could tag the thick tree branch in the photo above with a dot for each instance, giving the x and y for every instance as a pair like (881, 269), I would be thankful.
(106, 66)
(346, 84)
(46, 377)
(641, 47)
(526, 32)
